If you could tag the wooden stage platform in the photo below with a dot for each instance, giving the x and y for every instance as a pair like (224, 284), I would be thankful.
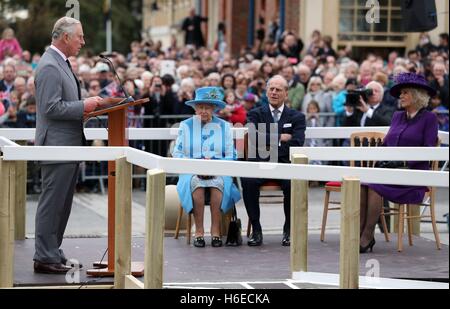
(270, 262)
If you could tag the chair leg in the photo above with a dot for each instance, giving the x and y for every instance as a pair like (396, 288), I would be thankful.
(401, 224)
(384, 224)
(433, 222)
(188, 229)
(325, 215)
(249, 228)
(177, 228)
(410, 225)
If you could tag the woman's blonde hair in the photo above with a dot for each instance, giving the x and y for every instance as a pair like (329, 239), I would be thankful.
(420, 97)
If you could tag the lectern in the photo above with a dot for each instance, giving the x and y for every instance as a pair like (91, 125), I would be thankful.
(116, 109)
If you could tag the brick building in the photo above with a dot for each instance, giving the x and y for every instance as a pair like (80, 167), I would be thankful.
(343, 20)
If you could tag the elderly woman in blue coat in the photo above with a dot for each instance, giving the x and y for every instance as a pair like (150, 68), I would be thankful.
(206, 137)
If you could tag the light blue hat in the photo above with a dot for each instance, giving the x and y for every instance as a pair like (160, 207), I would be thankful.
(209, 95)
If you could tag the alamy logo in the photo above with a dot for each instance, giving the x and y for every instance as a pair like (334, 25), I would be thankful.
(373, 15)
(74, 6)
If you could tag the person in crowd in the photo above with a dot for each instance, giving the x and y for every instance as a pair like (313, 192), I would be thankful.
(412, 127)
(290, 46)
(60, 113)
(9, 75)
(371, 113)
(304, 74)
(296, 91)
(313, 120)
(249, 102)
(291, 133)
(443, 43)
(316, 93)
(185, 94)
(440, 111)
(193, 30)
(9, 46)
(228, 82)
(440, 82)
(197, 140)
(234, 111)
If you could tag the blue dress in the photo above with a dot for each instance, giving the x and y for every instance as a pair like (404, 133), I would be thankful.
(421, 131)
(214, 141)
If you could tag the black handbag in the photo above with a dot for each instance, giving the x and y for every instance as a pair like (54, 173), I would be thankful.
(390, 164)
(234, 237)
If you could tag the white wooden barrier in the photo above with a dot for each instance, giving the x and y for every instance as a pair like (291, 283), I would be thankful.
(172, 133)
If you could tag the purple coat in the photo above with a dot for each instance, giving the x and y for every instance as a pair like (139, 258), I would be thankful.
(421, 131)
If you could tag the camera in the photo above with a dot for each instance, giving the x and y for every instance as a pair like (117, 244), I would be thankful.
(158, 86)
(354, 95)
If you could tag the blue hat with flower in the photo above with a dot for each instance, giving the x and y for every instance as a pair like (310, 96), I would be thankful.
(209, 95)
(411, 80)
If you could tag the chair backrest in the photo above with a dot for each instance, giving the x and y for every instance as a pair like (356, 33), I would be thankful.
(366, 139)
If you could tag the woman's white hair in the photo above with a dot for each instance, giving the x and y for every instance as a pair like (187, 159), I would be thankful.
(64, 25)
(420, 97)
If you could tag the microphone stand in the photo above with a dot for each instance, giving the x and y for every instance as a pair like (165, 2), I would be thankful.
(128, 98)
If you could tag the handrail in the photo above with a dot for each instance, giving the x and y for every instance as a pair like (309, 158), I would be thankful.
(172, 133)
(374, 153)
(228, 168)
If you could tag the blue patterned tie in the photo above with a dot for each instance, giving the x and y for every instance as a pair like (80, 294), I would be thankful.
(276, 115)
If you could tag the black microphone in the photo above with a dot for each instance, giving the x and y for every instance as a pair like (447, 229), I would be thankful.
(111, 65)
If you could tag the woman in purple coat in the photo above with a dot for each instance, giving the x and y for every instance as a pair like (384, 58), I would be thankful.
(412, 127)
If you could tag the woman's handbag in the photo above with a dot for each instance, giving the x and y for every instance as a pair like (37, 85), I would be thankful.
(234, 237)
(390, 164)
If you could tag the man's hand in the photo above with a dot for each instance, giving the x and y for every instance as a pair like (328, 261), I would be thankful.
(90, 104)
(363, 105)
(285, 138)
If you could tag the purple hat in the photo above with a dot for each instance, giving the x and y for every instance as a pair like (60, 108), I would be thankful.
(410, 80)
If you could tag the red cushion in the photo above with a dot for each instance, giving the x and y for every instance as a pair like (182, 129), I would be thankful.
(271, 183)
(333, 184)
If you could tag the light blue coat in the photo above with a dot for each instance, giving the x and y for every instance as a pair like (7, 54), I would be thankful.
(214, 141)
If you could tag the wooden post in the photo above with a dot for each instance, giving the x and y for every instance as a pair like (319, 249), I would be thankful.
(299, 220)
(415, 212)
(154, 229)
(349, 245)
(122, 254)
(7, 201)
(21, 199)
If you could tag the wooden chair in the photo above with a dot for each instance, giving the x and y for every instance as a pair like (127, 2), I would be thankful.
(405, 212)
(360, 139)
(226, 218)
(270, 186)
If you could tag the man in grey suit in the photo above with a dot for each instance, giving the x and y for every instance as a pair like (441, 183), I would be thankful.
(59, 122)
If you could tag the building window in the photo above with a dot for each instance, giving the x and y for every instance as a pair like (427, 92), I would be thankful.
(353, 25)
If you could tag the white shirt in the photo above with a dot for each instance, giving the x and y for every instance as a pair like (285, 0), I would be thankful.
(59, 52)
(368, 114)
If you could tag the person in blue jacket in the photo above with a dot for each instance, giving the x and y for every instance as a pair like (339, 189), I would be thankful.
(206, 137)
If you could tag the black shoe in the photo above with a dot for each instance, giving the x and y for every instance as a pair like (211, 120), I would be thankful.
(256, 239)
(199, 242)
(216, 242)
(368, 247)
(286, 241)
(54, 268)
(64, 262)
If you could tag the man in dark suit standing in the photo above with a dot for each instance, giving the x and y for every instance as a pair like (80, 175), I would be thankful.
(289, 132)
(371, 113)
(192, 26)
(59, 122)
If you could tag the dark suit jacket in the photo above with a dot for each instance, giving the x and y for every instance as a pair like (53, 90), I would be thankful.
(291, 122)
(381, 117)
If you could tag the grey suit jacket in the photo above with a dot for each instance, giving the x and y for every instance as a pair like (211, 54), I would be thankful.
(59, 118)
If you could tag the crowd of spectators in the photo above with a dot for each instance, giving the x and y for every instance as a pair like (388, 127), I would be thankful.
(319, 78)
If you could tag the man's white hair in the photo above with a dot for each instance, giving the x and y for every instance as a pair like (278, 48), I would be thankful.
(64, 25)
(375, 84)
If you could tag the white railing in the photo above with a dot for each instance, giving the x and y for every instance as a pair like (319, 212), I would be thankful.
(172, 133)
(238, 169)
(298, 173)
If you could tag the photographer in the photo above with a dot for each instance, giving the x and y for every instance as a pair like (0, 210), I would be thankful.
(363, 107)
